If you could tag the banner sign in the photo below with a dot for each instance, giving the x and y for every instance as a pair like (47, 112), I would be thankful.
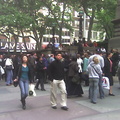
(19, 46)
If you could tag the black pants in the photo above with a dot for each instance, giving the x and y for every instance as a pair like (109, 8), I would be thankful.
(40, 82)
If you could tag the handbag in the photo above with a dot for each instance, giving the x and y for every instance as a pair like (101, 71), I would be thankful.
(2, 70)
(15, 83)
(31, 90)
(76, 78)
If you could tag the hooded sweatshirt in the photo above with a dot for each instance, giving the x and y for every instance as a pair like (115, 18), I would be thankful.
(94, 70)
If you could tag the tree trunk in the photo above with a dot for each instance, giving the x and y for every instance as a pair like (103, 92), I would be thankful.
(24, 41)
(91, 24)
(60, 35)
(62, 24)
(16, 41)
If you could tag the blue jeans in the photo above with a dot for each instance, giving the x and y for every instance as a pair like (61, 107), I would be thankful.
(24, 88)
(93, 89)
(9, 76)
(101, 91)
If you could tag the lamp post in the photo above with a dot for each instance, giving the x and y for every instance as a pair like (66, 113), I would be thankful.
(80, 24)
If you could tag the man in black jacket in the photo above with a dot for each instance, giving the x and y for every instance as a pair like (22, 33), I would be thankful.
(56, 76)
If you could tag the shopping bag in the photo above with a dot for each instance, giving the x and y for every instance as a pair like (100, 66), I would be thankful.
(105, 82)
(2, 70)
(31, 90)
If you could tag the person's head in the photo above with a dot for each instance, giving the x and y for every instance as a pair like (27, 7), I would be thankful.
(86, 55)
(78, 55)
(52, 55)
(95, 60)
(114, 50)
(109, 54)
(24, 59)
(58, 56)
(74, 58)
(40, 58)
(98, 51)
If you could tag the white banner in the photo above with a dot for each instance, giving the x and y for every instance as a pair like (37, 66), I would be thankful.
(20, 46)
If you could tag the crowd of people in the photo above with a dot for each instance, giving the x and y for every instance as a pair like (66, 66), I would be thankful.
(64, 71)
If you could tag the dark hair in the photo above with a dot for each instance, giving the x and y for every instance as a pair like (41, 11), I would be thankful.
(108, 53)
(98, 51)
(57, 53)
(23, 56)
(39, 57)
(74, 58)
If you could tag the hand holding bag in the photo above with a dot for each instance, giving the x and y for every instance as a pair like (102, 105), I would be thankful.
(15, 82)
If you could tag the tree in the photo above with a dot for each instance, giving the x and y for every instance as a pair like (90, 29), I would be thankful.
(101, 12)
(23, 18)
(60, 15)
(105, 15)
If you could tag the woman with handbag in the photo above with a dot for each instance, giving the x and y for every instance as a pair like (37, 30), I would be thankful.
(24, 76)
(94, 71)
(74, 84)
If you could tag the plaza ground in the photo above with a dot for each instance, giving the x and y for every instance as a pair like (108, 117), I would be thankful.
(39, 108)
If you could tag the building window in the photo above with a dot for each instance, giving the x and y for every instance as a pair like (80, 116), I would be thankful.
(66, 33)
(94, 35)
(76, 23)
(65, 40)
(76, 33)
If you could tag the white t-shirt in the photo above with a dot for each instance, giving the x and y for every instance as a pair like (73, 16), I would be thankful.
(8, 61)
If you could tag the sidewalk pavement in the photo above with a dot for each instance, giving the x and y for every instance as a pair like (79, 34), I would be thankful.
(39, 107)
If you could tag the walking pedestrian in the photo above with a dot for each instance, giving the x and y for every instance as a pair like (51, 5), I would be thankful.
(56, 76)
(24, 76)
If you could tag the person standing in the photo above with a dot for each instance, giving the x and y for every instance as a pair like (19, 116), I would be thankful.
(32, 58)
(24, 77)
(56, 76)
(74, 88)
(118, 72)
(80, 48)
(94, 70)
(108, 70)
(98, 54)
(115, 60)
(45, 62)
(85, 65)
(9, 70)
(51, 59)
(40, 67)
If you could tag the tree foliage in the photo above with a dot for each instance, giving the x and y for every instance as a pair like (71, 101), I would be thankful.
(105, 15)
(23, 18)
